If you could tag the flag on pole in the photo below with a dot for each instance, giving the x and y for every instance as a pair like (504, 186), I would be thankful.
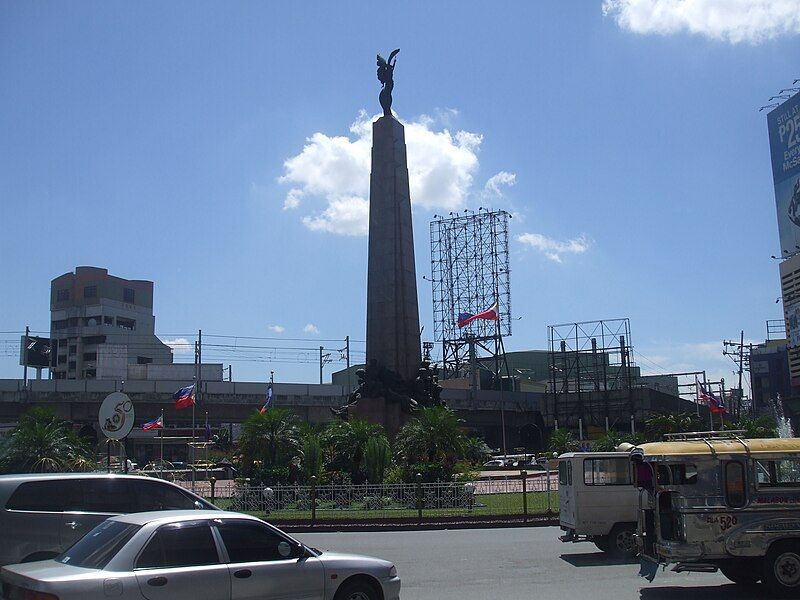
(154, 424)
(490, 314)
(715, 404)
(184, 397)
(268, 403)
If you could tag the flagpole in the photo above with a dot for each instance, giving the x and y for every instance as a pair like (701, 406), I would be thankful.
(708, 403)
(161, 440)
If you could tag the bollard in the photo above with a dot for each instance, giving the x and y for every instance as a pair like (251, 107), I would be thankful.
(213, 481)
(524, 476)
(419, 497)
(313, 499)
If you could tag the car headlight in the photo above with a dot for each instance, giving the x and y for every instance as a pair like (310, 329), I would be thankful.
(393, 571)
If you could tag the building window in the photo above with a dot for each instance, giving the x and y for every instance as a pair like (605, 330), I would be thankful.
(56, 325)
(128, 295)
(89, 356)
(108, 320)
(94, 339)
(126, 323)
(90, 291)
(73, 349)
(62, 295)
(143, 360)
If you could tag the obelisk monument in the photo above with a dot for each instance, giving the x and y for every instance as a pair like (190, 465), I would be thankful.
(393, 336)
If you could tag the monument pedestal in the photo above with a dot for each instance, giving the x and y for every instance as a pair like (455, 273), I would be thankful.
(380, 412)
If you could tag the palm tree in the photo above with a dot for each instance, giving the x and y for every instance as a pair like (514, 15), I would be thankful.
(347, 443)
(270, 437)
(609, 441)
(43, 443)
(434, 435)
(658, 425)
(561, 441)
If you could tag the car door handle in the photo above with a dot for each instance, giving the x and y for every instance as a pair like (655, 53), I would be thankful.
(242, 573)
(157, 581)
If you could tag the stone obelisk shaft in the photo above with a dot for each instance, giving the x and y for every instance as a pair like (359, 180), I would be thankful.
(393, 339)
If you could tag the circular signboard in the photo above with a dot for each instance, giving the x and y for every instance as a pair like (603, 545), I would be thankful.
(116, 416)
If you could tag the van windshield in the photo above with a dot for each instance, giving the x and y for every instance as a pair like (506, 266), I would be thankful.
(99, 546)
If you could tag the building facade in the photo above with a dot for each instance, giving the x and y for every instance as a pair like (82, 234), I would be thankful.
(100, 324)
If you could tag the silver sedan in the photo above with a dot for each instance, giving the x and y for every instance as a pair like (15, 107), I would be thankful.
(172, 555)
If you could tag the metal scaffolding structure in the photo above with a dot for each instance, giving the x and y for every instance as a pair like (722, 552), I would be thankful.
(469, 274)
(588, 360)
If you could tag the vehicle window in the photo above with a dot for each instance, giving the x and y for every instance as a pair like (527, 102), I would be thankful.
(251, 542)
(562, 472)
(606, 471)
(569, 473)
(778, 473)
(39, 495)
(153, 495)
(734, 484)
(99, 546)
(106, 495)
(683, 474)
(179, 545)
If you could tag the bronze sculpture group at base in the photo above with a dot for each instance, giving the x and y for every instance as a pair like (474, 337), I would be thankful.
(376, 381)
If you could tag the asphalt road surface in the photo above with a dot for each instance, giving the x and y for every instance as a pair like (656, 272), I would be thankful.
(525, 563)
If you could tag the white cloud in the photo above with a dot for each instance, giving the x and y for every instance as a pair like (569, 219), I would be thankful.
(180, 345)
(311, 328)
(553, 249)
(292, 200)
(346, 216)
(495, 183)
(441, 166)
(276, 329)
(735, 21)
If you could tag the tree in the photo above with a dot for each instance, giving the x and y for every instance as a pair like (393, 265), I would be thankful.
(434, 435)
(313, 454)
(759, 427)
(658, 425)
(377, 459)
(222, 439)
(347, 442)
(43, 443)
(609, 441)
(561, 441)
(270, 437)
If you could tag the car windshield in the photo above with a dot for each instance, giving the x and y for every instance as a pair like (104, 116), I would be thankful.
(100, 545)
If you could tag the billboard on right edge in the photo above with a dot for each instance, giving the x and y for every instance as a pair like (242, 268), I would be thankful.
(784, 141)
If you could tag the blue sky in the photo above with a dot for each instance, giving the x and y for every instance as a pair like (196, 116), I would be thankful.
(217, 149)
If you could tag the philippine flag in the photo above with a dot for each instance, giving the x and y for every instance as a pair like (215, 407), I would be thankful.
(184, 397)
(491, 314)
(715, 405)
(154, 424)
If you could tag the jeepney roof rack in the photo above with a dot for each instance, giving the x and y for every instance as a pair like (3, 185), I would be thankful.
(728, 434)
(709, 436)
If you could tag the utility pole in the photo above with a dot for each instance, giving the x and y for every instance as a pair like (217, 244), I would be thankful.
(742, 362)
(347, 358)
(25, 358)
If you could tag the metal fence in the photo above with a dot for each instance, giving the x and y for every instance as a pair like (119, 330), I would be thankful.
(517, 497)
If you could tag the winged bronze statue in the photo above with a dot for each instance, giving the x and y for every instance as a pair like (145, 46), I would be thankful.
(386, 77)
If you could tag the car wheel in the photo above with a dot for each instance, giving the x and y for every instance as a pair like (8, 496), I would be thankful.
(356, 590)
(782, 569)
(621, 542)
(742, 572)
(601, 541)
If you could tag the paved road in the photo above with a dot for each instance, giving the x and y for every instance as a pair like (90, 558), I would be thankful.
(519, 563)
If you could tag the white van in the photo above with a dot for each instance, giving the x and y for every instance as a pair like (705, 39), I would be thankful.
(598, 501)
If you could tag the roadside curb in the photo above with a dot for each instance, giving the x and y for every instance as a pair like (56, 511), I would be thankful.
(399, 525)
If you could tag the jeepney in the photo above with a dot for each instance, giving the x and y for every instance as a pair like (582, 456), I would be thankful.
(714, 500)
(597, 500)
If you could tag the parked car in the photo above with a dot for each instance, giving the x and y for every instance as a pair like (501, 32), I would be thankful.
(42, 514)
(198, 554)
(491, 464)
